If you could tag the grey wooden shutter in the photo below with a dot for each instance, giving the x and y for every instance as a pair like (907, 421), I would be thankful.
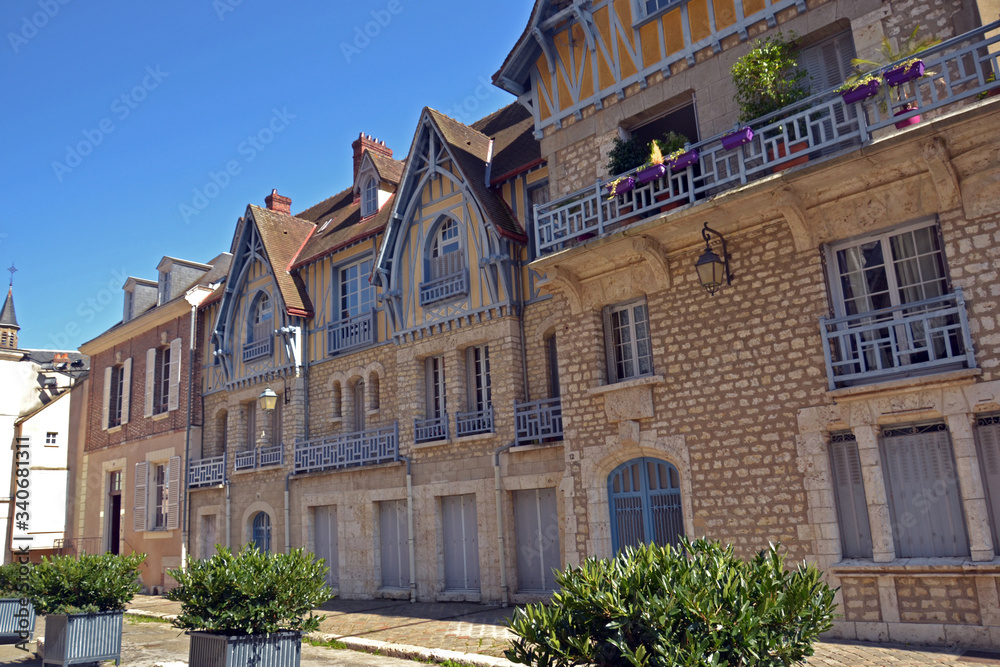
(147, 410)
(174, 395)
(126, 388)
(988, 441)
(536, 528)
(139, 506)
(393, 536)
(849, 492)
(174, 493)
(609, 346)
(325, 525)
(105, 409)
(461, 542)
(925, 506)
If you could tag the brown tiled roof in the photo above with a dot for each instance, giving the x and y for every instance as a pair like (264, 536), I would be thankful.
(470, 149)
(283, 236)
(341, 227)
(388, 169)
(515, 145)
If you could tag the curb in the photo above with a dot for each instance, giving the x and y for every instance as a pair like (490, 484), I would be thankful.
(388, 649)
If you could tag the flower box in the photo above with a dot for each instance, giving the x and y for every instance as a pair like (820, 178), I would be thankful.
(912, 120)
(862, 92)
(72, 639)
(650, 174)
(17, 621)
(620, 186)
(737, 138)
(684, 160)
(280, 649)
(900, 75)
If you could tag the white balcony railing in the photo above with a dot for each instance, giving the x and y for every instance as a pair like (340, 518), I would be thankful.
(207, 472)
(538, 421)
(349, 450)
(429, 430)
(351, 333)
(819, 125)
(913, 339)
(474, 423)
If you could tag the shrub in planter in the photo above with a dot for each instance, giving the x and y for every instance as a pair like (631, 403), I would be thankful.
(626, 155)
(84, 598)
(768, 78)
(249, 605)
(697, 604)
(17, 614)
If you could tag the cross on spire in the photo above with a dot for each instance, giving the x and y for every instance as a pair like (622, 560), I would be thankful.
(13, 270)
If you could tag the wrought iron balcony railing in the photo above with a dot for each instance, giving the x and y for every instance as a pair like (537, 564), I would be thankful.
(913, 339)
(538, 421)
(349, 450)
(447, 287)
(351, 333)
(429, 430)
(474, 423)
(207, 472)
(823, 124)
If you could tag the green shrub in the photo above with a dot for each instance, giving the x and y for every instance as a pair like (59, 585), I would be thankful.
(85, 583)
(627, 155)
(251, 592)
(767, 78)
(10, 580)
(660, 606)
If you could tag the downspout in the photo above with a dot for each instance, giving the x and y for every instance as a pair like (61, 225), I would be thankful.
(227, 511)
(411, 541)
(288, 516)
(194, 296)
(298, 332)
(504, 593)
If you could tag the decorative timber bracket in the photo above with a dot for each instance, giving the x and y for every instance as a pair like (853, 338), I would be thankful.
(651, 251)
(789, 204)
(937, 160)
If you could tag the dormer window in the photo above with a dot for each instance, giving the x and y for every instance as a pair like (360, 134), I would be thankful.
(164, 292)
(369, 202)
(129, 306)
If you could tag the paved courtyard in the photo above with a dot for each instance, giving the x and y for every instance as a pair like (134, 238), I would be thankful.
(478, 629)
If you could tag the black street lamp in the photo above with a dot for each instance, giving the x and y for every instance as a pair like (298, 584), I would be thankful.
(713, 270)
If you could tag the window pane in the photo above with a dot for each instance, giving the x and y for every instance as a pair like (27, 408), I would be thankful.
(643, 347)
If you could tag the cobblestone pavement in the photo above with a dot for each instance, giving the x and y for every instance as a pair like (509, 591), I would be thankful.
(476, 628)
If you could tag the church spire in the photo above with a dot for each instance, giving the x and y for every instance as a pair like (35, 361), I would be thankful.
(8, 319)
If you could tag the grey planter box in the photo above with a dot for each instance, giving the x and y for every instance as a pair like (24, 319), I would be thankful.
(281, 649)
(17, 621)
(74, 639)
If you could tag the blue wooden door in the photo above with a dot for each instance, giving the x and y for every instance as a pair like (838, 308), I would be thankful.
(644, 496)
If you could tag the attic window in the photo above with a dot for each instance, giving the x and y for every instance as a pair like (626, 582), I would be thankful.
(324, 226)
(369, 203)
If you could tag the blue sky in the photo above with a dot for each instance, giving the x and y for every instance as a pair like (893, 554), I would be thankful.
(120, 120)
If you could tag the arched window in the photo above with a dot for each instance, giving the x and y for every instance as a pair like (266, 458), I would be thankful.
(261, 319)
(446, 250)
(359, 405)
(644, 496)
(262, 532)
(369, 203)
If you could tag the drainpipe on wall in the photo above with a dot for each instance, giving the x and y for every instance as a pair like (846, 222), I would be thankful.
(227, 512)
(288, 517)
(194, 296)
(411, 541)
(500, 541)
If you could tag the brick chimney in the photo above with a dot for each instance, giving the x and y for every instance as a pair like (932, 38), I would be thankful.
(276, 202)
(367, 141)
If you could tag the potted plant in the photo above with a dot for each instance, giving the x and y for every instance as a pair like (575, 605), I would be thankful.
(906, 66)
(675, 152)
(768, 79)
(17, 613)
(860, 86)
(83, 598)
(250, 608)
(626, 155)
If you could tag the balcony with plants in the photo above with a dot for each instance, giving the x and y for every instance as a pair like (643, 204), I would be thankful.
(781, 125)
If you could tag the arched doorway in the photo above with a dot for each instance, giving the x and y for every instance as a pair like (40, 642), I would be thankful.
(644, 496)
(262, 531)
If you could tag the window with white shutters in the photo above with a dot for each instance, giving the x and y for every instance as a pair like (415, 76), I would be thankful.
(925, 505)
(988, 444)
(139, 504)
(434, 387)
(116, 392)
(849, 492)
(627, 341)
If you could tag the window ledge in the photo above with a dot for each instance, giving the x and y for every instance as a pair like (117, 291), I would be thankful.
(530, 448)
(908, 566)
(453, 441)
(160, 416)
(371, 412)
(626, 384)
(115, 429)
(965, 375)
(157, 534)
(336, 420)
